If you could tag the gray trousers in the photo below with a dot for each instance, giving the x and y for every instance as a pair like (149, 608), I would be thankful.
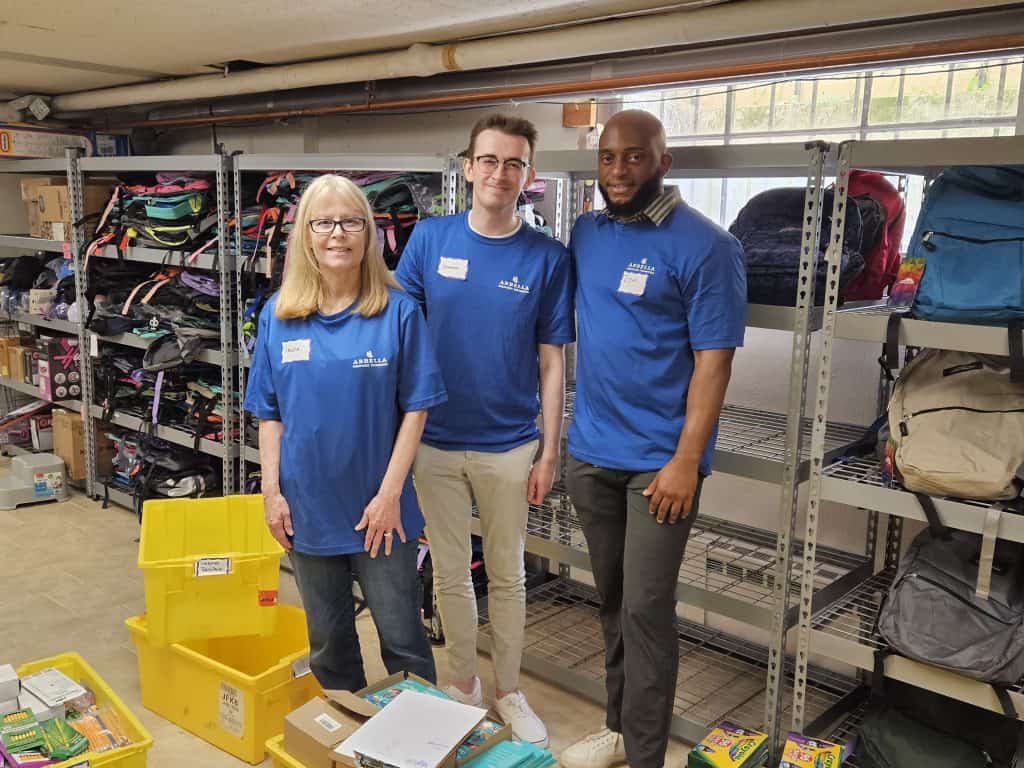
(635, 562)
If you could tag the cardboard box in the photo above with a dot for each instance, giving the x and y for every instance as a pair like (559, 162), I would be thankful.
(69, 444)
(30, 186)
(42, 432)
(40, 300)
(314, 730)
(60, 369)
(16, 362)
(55, 207)
(5, 343)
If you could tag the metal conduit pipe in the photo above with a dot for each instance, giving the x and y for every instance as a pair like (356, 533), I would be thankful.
(728, 21)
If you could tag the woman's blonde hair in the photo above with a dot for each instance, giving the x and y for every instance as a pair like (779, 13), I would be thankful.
(302, 288)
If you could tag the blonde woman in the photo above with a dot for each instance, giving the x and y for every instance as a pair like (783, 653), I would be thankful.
(341, 381)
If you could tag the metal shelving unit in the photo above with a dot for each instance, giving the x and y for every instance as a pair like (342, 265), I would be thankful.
(61, 326)
(220, 260)
(844, 631)
(322, 163)
(720, 675)
(31, 243)
(737, 571)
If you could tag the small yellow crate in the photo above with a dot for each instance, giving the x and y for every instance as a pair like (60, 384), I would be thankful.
(233, 692)
(210, 568)
(281, 759)
(75, 667)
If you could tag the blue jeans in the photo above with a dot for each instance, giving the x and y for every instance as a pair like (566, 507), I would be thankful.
(392, 591)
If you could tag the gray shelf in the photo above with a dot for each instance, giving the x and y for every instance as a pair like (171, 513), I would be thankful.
(63, 326)
(170, 434)
(354, 162)
(50, 165)
(206, 260)
(121, 498)
(846, 632)
(251, 454)
(778, 318)
(212, 356)
(859, 483)
(150, 164)
(728, 568)
(29, 243)
(869, 324)
(920, 156)
(720, 676)
(733, 160)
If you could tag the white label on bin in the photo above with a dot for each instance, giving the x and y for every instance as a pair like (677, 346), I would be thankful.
(80, 764)
(94, 345)
(300, 667)
(213, 566)
(328, 723)
(232, 710)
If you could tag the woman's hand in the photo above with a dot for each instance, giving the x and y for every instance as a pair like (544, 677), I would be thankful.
(382, 516)
(279, 518)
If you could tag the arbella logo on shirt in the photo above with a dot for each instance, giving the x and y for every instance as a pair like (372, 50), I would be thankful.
(514, 285)
(370, 361)
(641, 266)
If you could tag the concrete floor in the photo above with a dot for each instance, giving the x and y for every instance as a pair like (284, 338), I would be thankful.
(70, 580)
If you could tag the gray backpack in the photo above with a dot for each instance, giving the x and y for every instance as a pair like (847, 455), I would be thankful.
(957, 602)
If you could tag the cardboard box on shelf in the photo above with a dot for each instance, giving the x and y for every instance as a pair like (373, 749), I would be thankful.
(40, 300)
(30, 186)
(6, 342)
(54, 206)
(60, 372)
(314, 730)
(16, 362)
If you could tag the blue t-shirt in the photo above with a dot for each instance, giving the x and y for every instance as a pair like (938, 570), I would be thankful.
(646, 297)
(489, 302)
(341, 384)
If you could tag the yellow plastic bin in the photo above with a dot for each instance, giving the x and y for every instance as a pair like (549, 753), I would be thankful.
(210, 568)
(233, 692)
(281, 759)
(131, 756)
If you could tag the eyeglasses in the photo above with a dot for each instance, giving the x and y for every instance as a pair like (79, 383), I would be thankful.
(326, 226)
(489, 163)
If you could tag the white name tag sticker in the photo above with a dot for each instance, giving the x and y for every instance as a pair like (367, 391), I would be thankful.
(213, 566)
(634, 283)
(294, 351)
(456, 269)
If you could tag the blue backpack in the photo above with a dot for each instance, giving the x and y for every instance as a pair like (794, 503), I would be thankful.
(970, 235)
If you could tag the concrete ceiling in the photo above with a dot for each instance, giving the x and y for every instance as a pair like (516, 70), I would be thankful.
(64, 46)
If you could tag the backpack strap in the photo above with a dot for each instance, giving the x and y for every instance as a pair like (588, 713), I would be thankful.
(1006, 702)
(1015, 342)
(890, 360)
(935, 526)
(988, 551)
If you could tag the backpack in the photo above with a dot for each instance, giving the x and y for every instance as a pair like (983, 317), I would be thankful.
(882, 237)
(970, 235)
(957, 602)
(770, 228)
(956, 424)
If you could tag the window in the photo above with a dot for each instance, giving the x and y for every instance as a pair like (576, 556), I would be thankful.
(980, 97)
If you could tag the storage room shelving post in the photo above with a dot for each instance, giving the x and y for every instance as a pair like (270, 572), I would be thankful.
(844, 631)
(320, 163)
(736, 571)
(221, 260)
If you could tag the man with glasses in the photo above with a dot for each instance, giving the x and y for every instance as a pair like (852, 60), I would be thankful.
(498, 300)
(661, 305)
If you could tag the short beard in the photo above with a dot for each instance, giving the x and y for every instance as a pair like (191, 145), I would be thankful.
(645, 194)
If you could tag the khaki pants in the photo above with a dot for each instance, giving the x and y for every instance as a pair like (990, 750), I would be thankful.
(446, 483)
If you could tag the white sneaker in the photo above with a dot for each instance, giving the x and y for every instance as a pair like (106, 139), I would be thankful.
(474, 699)
(598, 750)
(526, 726)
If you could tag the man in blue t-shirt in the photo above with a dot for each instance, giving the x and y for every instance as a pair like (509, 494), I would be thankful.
(498, 300)
(661, 306)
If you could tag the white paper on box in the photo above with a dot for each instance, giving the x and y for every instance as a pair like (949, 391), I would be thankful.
(415, 730)
(10, 685)
(52, 687)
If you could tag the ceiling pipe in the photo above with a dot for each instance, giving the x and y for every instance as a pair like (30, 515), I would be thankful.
(694, 27)
(814, 62)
